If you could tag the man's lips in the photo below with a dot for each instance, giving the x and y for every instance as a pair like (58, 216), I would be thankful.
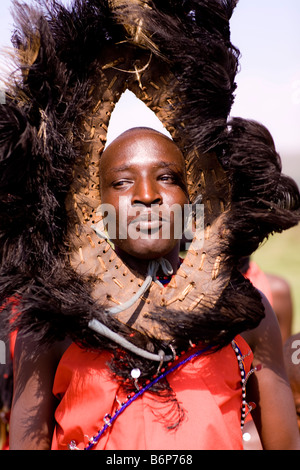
(148, 221)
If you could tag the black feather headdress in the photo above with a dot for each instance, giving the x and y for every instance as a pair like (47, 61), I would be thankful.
(73, 65)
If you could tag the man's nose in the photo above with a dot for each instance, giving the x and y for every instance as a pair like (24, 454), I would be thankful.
(146, 192)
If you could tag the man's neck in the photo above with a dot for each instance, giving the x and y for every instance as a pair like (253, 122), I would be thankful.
(141, 265)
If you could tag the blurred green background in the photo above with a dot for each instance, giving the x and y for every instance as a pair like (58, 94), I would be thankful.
(280, 255)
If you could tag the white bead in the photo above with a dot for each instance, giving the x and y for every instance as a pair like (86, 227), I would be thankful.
(72, 445)
(135, 373)
(246, 437)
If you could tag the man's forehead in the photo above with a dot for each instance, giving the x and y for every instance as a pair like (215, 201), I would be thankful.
(139, 136)
(139, 133)
(127, 167)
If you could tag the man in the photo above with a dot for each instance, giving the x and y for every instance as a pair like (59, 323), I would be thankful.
(146, 168)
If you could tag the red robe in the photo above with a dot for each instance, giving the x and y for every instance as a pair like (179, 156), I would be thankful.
(208, 389)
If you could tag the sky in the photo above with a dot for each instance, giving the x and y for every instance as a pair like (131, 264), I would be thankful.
(267, 33)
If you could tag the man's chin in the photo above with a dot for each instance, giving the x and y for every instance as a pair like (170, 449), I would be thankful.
(146, 249)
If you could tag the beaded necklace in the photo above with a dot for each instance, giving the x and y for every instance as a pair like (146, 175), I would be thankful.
(135, 373)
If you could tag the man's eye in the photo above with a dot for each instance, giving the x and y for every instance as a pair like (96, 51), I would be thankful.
(119, 184)
(167, 178)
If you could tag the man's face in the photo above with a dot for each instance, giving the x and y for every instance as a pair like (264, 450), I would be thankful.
(142, 175)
